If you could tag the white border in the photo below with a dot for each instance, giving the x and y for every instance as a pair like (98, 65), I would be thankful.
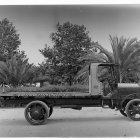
(65, 2)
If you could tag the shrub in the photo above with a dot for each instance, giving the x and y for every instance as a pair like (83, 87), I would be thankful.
(51, 88)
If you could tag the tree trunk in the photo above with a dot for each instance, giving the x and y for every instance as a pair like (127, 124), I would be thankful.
(70, 80)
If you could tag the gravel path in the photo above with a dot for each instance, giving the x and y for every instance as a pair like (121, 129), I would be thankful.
(89, 122)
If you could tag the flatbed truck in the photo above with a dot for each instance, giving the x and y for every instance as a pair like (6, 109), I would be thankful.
(124, 97)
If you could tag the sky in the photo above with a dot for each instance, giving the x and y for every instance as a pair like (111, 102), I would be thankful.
(35, 23)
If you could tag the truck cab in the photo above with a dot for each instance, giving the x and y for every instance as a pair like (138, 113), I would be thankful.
(102, 79)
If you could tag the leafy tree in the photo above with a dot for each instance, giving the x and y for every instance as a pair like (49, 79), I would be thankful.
(41, 73)
(31, 74)
(71, 41)
(126, 54)
(9, 39)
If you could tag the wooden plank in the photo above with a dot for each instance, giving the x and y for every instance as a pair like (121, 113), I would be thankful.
(45, 94)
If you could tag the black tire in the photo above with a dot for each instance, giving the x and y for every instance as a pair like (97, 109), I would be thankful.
(50, 111)
(133, 109)
(122, 111)
(36, 112)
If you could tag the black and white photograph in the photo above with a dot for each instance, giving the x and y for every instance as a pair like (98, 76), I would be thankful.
(70, 71)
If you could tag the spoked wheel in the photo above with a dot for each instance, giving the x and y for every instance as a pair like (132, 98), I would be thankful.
(133, 109)
(122, 111)
(36, 112)
(50, 111)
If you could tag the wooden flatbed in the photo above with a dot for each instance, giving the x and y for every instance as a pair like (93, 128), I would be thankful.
(46, 94)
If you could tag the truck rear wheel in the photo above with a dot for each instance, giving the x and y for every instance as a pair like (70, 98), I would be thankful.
(36, 112)
(133, 109)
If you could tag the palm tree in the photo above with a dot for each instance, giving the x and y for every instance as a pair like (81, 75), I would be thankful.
(125, 53)
(14, 71)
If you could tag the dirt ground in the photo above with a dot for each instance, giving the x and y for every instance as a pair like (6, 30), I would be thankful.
(89, 122)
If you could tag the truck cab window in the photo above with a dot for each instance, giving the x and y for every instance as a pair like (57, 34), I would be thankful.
(104, 75)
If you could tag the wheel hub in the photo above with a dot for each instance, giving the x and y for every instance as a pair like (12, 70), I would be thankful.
(137, 110)
(36, 113)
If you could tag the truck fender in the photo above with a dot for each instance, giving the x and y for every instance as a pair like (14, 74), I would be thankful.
(127, 99)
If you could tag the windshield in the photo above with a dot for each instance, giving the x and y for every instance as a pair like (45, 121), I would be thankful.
(104, 73)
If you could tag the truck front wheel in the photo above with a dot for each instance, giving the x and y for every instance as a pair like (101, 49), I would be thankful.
(36, 112)
(133, 109)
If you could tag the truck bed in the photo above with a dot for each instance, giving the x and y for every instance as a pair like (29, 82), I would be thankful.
(46, 94)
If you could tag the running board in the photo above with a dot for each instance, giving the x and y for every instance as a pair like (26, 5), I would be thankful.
(107, 106)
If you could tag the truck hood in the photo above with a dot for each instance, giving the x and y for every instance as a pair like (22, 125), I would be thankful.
(128, 85)
(127, 88)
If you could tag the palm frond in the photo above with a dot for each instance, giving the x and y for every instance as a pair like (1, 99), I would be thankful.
(94, 57)
(129, 44)
(114, 44)
(103, 51)
(131, 57)
(14, 71)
